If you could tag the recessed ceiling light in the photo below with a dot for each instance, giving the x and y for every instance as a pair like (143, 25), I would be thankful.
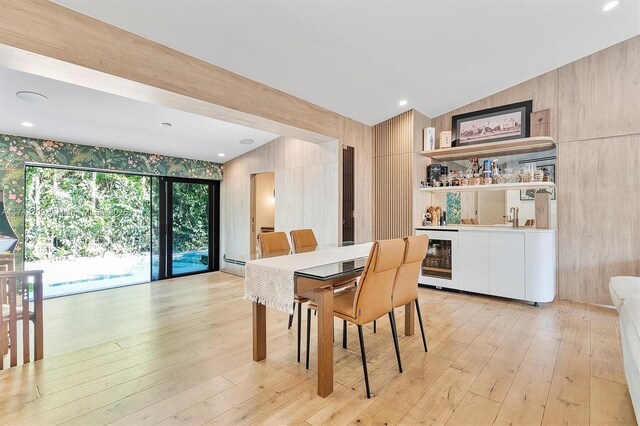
(247, 141)
(27, 124)
(165, 124)
(610, 5)
(221, 154)
(403, 102)
(32, 97)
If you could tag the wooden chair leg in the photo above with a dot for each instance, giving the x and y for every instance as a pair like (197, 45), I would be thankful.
(344, 334)
(299, 328)
(424, 339)
(364, 361)
(291, 317)
(308, 335)
(394, 332)
(374, 327)
(5, 340)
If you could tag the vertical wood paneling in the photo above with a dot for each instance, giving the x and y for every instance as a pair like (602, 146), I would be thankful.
(599, 95)
(599, 235)
(393, 177)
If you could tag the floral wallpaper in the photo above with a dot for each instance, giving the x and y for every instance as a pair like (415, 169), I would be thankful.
(15, 151)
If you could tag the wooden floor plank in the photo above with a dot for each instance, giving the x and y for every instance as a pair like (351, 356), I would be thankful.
(606, 359)
(610, 403)
(474, 410)
(576, 334)
(525, 402)
(568, 401)
(440, 401)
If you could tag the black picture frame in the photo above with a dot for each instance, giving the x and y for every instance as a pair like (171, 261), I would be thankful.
(525, 194)
(477, 132)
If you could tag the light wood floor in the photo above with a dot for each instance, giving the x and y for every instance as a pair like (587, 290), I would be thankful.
(180, 352)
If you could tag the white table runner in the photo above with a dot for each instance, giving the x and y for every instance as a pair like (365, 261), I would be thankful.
(270, 281)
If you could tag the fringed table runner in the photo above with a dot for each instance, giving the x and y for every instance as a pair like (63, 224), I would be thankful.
(270, 281)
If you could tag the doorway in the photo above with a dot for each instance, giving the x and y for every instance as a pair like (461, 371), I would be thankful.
(263, 206)
(348, 192)
(189, 226)
(484, 207)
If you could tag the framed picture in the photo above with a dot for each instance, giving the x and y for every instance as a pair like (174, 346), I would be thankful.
(492, 124)
(549, 169)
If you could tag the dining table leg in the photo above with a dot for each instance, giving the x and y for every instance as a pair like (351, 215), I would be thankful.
(259, 332)
(409, 319)
(324, 301)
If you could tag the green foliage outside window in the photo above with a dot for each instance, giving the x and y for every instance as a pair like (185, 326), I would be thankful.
(73, 213)
(190, 217)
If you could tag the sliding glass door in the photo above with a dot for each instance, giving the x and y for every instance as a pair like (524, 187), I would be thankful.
(91, 230)
(189, 226)
(87, 230)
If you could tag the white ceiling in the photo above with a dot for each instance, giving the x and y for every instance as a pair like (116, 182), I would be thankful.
(80, 115)
(359, 58)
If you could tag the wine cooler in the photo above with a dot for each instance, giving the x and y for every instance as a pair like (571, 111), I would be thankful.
(439, 262)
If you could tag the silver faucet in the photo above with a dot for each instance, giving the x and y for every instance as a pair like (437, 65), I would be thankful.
(513, 217)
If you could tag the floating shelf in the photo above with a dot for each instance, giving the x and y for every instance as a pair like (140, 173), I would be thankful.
(493, 149)
(492, 187)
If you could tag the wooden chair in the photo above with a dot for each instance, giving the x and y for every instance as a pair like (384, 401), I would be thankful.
(16, 284)
(7, 263)
(405, 288)
(372, 298)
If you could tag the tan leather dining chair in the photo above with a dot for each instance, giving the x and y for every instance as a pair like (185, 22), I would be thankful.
(303, 240)
(405, 288)
(273, 243)
(372, 298)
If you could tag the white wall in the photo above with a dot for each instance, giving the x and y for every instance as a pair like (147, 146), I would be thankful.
(307, 193)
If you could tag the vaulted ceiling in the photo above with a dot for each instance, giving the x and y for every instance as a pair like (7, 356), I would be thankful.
(360, 58)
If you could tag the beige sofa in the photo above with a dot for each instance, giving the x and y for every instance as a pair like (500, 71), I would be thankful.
(625, 293)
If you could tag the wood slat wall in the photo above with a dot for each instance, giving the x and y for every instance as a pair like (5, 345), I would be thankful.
(392, 177)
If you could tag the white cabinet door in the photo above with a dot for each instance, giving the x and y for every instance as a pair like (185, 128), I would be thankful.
(473, 265)
(507, 265)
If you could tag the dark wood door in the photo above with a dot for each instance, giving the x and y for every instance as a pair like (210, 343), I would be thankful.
(348, 190)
